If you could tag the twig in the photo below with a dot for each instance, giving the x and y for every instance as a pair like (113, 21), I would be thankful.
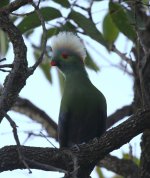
(6, 65)
(32, 69)
(3, 70)
(124, 167)
(3, 59)
(90, 10)
(122, 55)
(45, 166)
(106, 59)
(81, 7)
(14, 126)
(30, 133)
(26, 107)
(47, 139)
(28, 136)
(119, 114)
(38, 3)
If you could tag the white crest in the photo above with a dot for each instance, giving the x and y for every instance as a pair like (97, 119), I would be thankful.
(69, 41)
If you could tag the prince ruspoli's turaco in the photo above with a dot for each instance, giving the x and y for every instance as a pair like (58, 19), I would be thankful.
(83, 108)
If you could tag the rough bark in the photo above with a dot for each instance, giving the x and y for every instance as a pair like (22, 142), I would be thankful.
(24, 106)
(125, 167)
(119, 114)
(18, 74)
(144, 77)
(95, 150)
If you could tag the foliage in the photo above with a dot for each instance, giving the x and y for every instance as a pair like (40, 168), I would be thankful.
(119, 19)
(77, 22)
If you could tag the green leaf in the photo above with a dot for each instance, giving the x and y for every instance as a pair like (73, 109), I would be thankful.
(66, 27)
(4, 3)
(64, 3)
(138, 21)
(90, 63)
(128, 156)
(45, 66)
(32, 20)
(136, 160)
(110, 31)
(51, 32)
(145, 2)
(99, 172)
(3, 43)
(120, 19)
(28, 33)
(88, 27)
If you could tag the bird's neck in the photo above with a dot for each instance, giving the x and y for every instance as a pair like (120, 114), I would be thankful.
(76, 77)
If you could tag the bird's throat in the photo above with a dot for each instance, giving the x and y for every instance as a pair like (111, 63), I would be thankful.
(77, 77)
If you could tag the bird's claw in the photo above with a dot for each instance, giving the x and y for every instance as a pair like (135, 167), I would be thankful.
(95, 140)
(76, 148)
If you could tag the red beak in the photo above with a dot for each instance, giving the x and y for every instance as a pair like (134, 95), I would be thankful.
(53, 63)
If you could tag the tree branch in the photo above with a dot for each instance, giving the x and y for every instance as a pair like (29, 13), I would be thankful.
(44, 42)
(119, 114)
(94, 150)
(14, 127)
(122, 55)
(24, 106)
(14, 6)
(125, 167)
(16, 79)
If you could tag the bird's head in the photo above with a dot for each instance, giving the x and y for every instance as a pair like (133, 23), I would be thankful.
(68, 52)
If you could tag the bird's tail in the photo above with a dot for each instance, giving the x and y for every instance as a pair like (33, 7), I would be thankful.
(84, 172)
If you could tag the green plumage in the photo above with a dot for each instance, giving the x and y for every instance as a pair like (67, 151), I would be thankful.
(83, 107)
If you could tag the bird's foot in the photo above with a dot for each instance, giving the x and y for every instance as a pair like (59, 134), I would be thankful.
(95, 140)
(75, 148)
(72, 174)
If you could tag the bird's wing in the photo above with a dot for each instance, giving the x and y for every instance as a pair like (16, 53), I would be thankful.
(63, 129)
(102, 122)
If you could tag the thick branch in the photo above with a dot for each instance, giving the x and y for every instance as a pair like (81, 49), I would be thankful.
(94, 150)
(24, 106)
(125, 167)
(16, 80)
(119, 114)
(14, 6)
(115, 138)
(144, 78)
(10, 159)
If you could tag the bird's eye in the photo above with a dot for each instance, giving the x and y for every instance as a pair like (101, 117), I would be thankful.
(64, 55)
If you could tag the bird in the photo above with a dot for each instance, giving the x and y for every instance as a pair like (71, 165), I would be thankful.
(83, 109)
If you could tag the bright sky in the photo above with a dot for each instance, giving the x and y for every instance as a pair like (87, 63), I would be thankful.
(114, 84)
